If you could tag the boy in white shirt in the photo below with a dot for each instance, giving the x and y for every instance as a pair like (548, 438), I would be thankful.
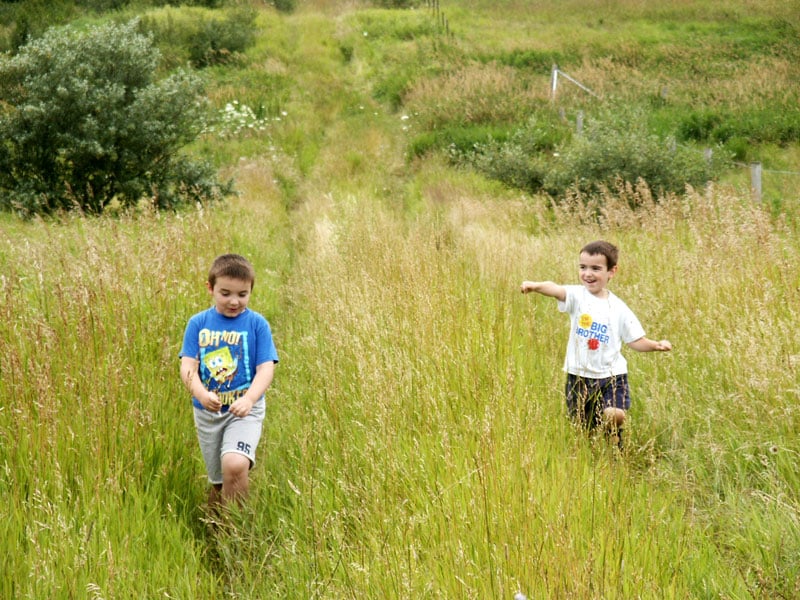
(597, 389)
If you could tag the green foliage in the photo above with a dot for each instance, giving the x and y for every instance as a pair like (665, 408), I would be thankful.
(203, 40)
(777, 123)
(397, 3)
(216, 41)
(541, 61)
(29, 20)
(285, 6)
(457, 140)
(545, 156)
(398, 25)
(621, 149)
(84, 123)
(521, 160)
(394, 85)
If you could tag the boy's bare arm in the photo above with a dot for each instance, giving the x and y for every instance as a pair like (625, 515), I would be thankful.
(192, 382)
(546, 288)
(261, 382)
(644, 344)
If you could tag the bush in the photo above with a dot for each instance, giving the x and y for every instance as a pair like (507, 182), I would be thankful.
(523, 160)
(218, 40)
(544, 156)
(29, 20)
(620, 149)
(284, 6)
(83, 123)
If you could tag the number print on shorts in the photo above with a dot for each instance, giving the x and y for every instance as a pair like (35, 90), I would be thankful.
(243, 447)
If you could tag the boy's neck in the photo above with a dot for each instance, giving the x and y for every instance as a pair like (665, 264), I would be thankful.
(602, 294)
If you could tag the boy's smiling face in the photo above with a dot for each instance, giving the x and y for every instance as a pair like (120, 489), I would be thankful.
(230, 295)
(594, 273)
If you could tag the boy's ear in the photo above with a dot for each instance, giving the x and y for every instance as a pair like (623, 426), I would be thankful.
(209, 288)
(612, 271)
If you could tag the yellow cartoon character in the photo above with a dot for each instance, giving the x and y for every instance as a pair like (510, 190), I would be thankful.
(221, 364)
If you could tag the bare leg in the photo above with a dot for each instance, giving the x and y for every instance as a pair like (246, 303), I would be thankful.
(235, 477)
(614, 419)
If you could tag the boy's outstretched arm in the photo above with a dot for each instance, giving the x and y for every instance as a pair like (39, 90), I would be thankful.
(546, 288)
(644, 344)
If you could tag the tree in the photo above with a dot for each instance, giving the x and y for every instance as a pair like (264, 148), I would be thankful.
(84, 122)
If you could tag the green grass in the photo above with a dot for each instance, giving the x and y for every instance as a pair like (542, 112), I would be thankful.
(416, 444)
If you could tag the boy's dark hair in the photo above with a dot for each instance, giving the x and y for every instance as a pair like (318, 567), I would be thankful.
(606, 249)
(233, 266)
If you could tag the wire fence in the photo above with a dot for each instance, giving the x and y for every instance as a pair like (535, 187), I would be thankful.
(441, 20)
(772, 184)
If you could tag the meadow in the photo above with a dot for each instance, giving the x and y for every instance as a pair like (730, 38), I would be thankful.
(416, 444)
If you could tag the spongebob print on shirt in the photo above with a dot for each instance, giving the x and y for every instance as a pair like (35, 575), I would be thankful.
(224, 365)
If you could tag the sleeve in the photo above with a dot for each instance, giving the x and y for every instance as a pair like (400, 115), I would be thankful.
(630, 327)
(191, 340)
(265, 347)
(567, 305)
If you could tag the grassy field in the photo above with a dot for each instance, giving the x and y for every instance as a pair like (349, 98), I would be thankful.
(416, 444)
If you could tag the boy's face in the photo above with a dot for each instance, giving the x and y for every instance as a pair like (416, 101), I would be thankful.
(594, 273)
(230, 295)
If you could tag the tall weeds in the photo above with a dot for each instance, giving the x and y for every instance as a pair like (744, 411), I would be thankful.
(416, 444)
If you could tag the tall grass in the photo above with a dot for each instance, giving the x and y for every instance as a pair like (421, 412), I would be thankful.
(416, 444)
(438, 391)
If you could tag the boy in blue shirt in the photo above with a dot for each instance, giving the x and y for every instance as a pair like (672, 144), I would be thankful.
(228, 361)
(597, 389)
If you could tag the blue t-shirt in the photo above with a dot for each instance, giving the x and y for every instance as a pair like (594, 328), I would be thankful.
(229, 350)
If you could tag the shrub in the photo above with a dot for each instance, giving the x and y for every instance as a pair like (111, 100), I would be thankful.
(218, 40)
(521, 161)
(544, 156)
(621, 149)
(510, 164)
(29, 20)
(285, 6)
(83, 123)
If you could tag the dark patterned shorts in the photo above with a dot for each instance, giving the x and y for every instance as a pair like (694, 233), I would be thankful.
(587, 397)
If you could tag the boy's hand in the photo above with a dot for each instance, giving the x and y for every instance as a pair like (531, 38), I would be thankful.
(663, 346)
(212, 402)
(546, 288)
(241, 407)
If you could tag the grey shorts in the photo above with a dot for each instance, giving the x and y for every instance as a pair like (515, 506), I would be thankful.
(220, 433)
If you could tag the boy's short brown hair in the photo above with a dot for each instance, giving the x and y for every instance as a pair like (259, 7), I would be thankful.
(606, 249)
(234, 266)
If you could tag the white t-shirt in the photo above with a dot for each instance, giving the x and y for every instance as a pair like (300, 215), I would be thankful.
(598, 328)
